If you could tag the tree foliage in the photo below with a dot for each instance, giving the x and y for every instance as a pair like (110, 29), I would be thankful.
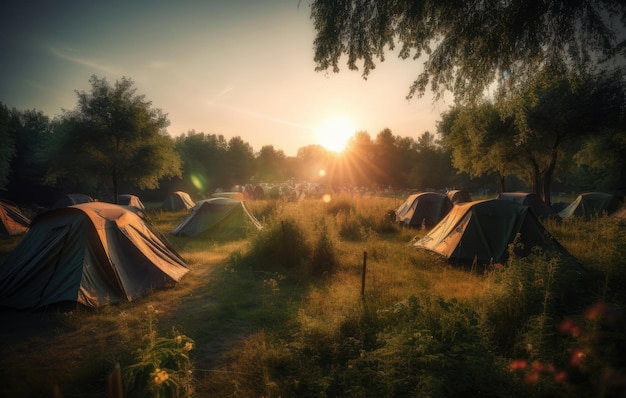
(467, 45)
(7, 150)
(114, 133)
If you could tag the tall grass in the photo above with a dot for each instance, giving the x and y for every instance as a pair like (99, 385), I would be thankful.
(330, 300)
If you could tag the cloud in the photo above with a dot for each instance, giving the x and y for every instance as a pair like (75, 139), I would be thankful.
(65, 54)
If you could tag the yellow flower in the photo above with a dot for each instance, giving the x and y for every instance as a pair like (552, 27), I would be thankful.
(188, 346)
(179, 339)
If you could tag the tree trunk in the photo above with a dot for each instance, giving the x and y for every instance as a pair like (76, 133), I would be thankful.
(547, 174)
(116, 187)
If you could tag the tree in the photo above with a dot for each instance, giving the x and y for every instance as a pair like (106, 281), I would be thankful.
(467, 45)
(7, 150)
(270, 164)
(240, 161)
(557, 109)
(480, 141)
(115, 133)
(203, 157)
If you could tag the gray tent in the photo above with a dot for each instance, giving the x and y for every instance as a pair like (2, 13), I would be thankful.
(532, 200)
(482, 231)
(71, 199)
(592, 204)
(12, 220)
(92, 254)
(459, 196)
(178, 201)
(130, 200)
(424, 208)
(219, 218)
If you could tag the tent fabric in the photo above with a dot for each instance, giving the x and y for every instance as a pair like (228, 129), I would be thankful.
(178, 201)
(219, 218)
(482, 231)
(592, 204)
(230, 195)
(532, 200)
(459, 196)
(130, 200)
(71, 199)
(93, 254)
(424, 208)
(12, 221)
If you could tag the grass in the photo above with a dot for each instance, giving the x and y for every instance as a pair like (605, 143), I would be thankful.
(285, 313)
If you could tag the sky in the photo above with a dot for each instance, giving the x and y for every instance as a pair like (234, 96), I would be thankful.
(233, 68)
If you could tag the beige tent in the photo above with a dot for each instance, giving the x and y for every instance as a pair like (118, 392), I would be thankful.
(483, 230)
(12, 220)
(424, 208)
(92, 254)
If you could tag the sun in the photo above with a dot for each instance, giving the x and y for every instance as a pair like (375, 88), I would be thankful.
(335, 132)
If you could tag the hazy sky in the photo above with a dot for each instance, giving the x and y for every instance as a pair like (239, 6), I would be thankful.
(236, 68)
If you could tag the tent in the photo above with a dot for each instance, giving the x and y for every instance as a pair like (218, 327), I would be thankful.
(482, 231)
(71, 199)
(178, 201)
(92, 254)
(532, 200)
(232, 195)
(424, 208)
(12, 220)
(219, 218)
(130, 200)
(592, 204)
(459, 196)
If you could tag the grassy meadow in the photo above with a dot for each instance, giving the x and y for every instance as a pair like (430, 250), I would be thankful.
(289, 312)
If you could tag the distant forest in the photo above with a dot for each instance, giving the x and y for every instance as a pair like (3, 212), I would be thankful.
(566, 140)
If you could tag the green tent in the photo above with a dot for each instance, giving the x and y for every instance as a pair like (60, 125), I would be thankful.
(532, 200)
(592, 204)
(92, 254)
(424, 208)
(483, 230)
(218, 218)
(178, 201)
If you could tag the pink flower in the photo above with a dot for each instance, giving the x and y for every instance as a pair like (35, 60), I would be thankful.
(519, 364)
(561, 377)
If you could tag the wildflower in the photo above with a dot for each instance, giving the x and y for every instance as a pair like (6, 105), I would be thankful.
(188, 346)
(561, 377)
(519, 364)
(532, 378)
(596, 312)
(179, 339)
(160, 376)
(577, 357)
(570, 326)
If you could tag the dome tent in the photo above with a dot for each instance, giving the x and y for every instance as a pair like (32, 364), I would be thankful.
(130, 200)
(592, 204)
(532, 200)
(12, 220)
(218, 217)
(424, 208)
(482, 231)
(459, 196)
(178, 201)
(92, 254)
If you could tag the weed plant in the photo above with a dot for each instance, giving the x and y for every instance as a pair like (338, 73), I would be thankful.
(331, 300)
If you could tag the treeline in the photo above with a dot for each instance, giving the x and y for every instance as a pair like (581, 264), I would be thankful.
(560, 135)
